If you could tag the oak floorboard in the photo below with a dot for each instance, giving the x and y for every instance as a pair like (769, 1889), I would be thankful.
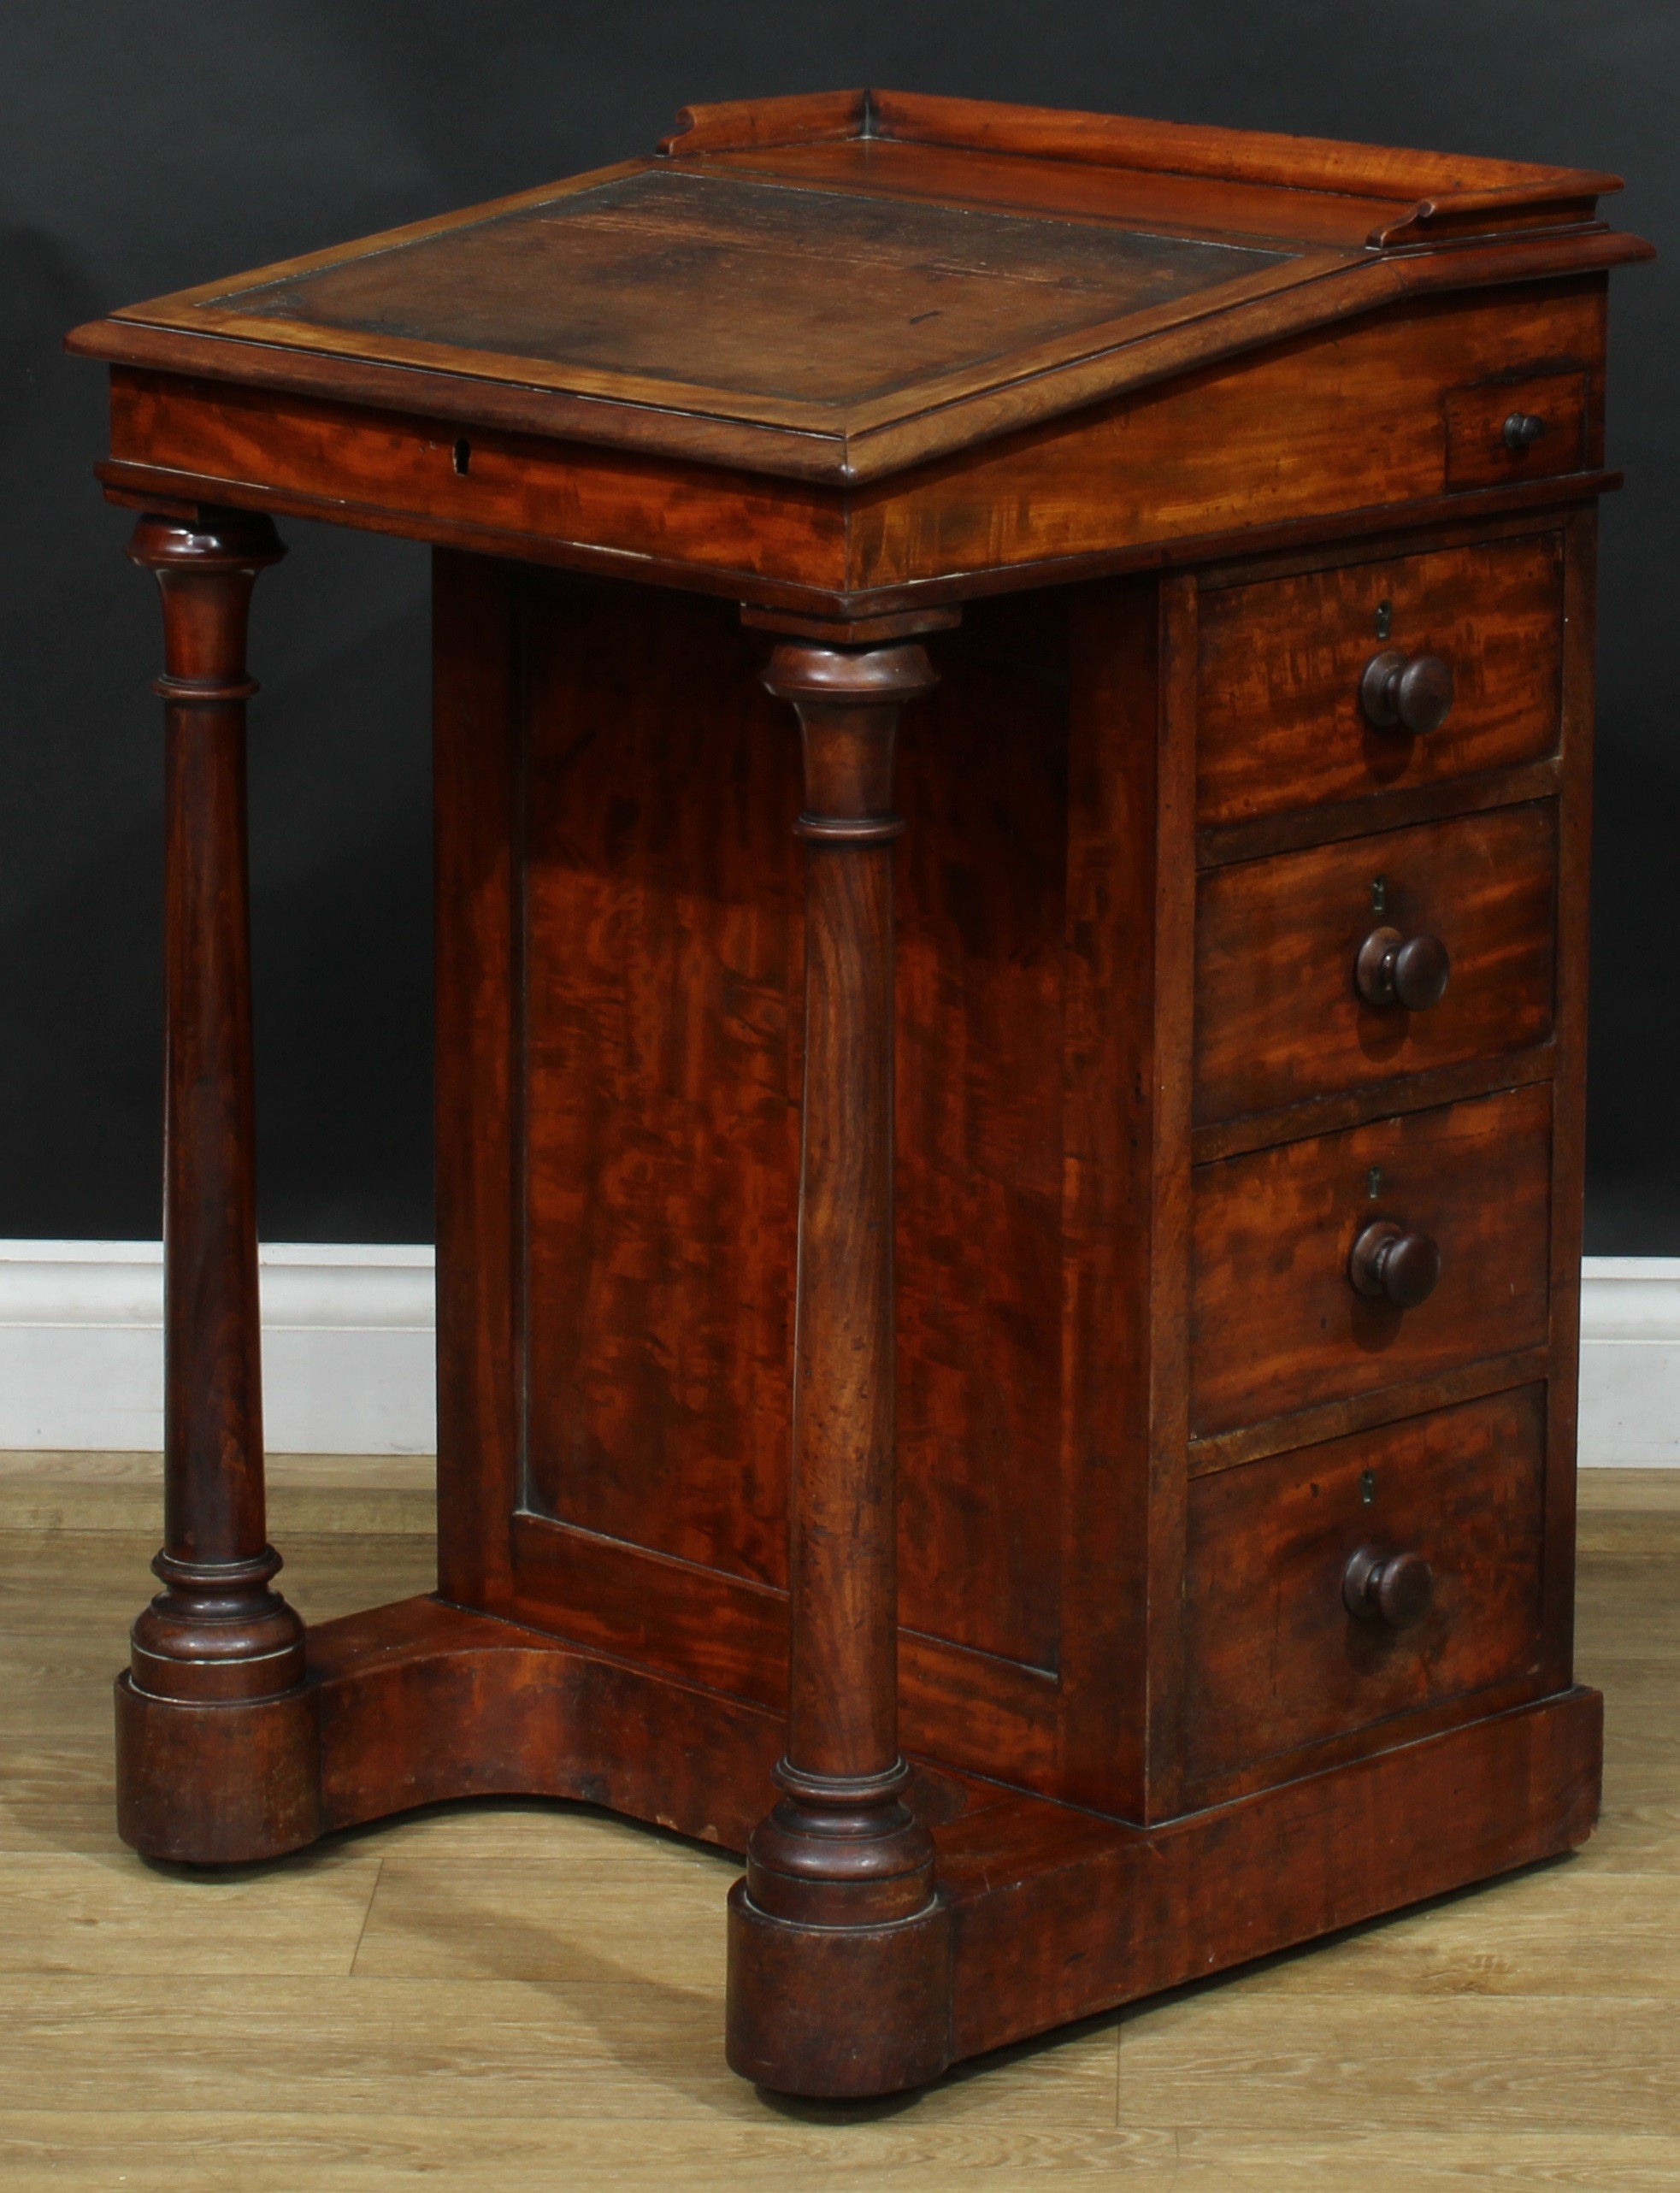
(518, 1993)
(1561, 1928)
(335, 1493)
(216, 2152)
(1249, 2056)
(1642, 1725)
(1634, 1511)
(555, 1894)
(604, 2046)
(105, 1913)
(56, 1793)
(1388, 2160)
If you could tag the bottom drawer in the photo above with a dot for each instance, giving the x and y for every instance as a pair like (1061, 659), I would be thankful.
(1275, 1659)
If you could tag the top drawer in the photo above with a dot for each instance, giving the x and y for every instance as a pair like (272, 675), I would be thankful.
(1282, 721)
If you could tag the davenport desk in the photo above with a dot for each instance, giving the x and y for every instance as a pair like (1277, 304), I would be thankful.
(1117, 1341)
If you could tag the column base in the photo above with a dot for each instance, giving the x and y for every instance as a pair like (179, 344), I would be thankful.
(838, 2013)
(218, 1784)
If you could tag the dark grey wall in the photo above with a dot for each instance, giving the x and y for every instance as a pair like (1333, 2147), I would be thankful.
(145, 145)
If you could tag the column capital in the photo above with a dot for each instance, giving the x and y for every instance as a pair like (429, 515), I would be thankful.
(848, 701)
(806, 672)
(216, 541)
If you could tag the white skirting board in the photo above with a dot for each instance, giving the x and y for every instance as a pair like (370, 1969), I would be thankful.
(348, 1350)
(348, 1346)
(1630, 1362)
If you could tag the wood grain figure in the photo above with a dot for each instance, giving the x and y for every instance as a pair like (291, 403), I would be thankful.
(1013, 709)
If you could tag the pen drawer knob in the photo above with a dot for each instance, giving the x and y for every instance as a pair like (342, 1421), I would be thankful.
(1522, 429)
(1392, 1264)
(1394, 970)
(1405, 692)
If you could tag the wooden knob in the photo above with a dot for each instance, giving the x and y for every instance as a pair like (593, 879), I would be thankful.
(1392, 1264)
(1405, 692)
(1522, 429)
(1398, 1589)
(1392, 970)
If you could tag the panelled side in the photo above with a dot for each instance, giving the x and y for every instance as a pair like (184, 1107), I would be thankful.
(662, 954)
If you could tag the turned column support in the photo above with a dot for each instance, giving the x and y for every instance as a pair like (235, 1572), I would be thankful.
(216, 1727)
(838, 1947)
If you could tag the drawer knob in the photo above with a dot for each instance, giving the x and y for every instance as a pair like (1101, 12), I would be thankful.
(1522, 429)
(1393, 969)
(1391, 1263)
(1398, 1589)
(1405, 692)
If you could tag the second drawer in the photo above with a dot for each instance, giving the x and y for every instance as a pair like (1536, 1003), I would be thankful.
(1278, 1323)
(1280, 1014)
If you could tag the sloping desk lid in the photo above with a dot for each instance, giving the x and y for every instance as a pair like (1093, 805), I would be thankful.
(836, 286)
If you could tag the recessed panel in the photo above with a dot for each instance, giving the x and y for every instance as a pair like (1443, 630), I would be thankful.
(663, 982)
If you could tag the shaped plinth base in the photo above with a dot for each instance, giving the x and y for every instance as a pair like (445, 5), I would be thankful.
(219, 1784)
(838, 2013)
(1041, 1913)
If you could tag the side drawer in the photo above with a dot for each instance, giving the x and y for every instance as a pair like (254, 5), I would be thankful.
(1275, 1661)
(1277, 1322)
(1518, 427)
(1280, 1018)
(1281, 720)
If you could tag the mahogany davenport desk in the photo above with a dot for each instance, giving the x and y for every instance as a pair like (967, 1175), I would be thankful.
(1118, 1341)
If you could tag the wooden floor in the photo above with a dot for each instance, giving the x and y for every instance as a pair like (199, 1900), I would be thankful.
(505, 1997)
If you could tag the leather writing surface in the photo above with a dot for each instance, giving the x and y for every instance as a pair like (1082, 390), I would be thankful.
(753, 286)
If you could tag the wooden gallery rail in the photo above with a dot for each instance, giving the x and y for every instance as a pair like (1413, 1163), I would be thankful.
(1156, 1258)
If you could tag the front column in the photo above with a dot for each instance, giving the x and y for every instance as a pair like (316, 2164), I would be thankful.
(216, 1727)
(839, 1952)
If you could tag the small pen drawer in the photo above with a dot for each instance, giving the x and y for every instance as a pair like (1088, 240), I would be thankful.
(1520, 428)
(1290, 1643)
(1354, 963)
(1345, 1263)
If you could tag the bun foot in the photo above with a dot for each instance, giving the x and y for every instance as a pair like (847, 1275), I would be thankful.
(218, 1784)
(838, 2013)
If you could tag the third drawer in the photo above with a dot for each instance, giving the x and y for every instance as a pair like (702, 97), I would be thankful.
(1277, 1324)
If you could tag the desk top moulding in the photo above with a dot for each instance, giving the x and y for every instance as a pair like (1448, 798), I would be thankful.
(1119, 1339)
(841, 291)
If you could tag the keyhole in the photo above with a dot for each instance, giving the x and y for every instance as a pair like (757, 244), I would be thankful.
(464, 455)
